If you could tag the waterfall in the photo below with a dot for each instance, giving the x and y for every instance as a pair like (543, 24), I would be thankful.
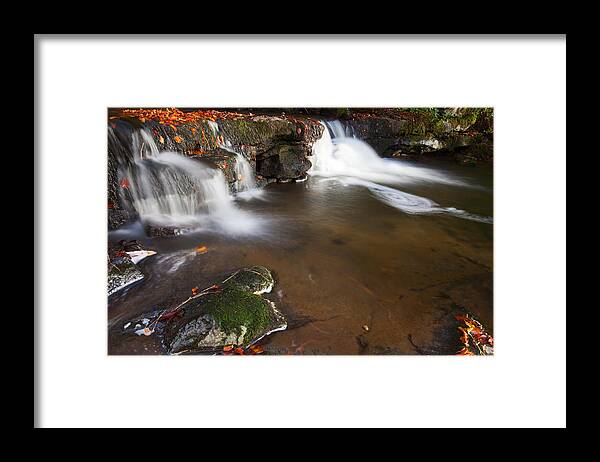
(352, 161)
(170, 189)
(245, 180)
(337, 154)
(244, 175)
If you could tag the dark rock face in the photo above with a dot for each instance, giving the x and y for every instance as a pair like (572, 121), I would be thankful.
(459, 133)
(119, 217)
(285, 161)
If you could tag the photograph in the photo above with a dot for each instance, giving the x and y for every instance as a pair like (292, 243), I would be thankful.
(300, 231)
(369, 227)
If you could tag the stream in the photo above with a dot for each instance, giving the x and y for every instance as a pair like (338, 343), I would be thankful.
(369, 255)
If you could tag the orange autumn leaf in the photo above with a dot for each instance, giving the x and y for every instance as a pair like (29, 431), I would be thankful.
(201, 249)
(161, 140)
(195, 291)
(464, 337)
(228, 348)
(465, 352)
(177, 139)
(124, 183)
(239, 351)
(256, 349)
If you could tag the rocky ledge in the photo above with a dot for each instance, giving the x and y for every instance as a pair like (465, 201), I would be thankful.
(462, 134)
(278, 143)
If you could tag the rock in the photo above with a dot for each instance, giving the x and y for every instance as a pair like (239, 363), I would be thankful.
(285, 162)
(222, 159)
(256, 279)
(261, 181)
(122, 272)
(153, 230)
(234, 315)
(415, 145)
(119, 217)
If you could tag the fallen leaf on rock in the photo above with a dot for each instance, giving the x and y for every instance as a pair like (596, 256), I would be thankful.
(201, 249)
(195, 291)
(168, 315)
(161, 140)
(124, 183)
(213, 288)
(256, 349)
(178, 139)
(473, 337)
(465, 352)
(228, 348)
(145, 331)
(239, 351)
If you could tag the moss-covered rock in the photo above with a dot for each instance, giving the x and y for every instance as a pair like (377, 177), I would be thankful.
(235, 314)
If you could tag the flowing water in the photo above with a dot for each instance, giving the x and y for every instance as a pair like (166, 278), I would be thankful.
(396, 246)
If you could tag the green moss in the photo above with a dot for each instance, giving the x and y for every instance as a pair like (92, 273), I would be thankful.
(257, 131)
(232, 308)
(253, 279)
(436, 121)
(343, 113)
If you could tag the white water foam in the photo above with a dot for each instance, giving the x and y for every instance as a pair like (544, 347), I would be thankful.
(342, 155)
(167, 189)
(351, 161)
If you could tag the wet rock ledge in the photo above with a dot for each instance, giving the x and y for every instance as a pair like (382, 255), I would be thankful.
(277, 146)
(278, 142)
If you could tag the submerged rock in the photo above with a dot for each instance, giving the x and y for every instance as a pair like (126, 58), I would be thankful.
(235, 314)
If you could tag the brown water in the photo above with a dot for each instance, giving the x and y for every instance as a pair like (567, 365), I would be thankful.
(341, 259)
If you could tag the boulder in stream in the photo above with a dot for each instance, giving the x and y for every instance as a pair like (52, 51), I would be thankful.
(122, 271)
(235, 314)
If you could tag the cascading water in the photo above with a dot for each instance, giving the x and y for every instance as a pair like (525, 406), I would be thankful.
(351, 161)
(337, 154)
(245, 180)
(169, 189)
(244, 175)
